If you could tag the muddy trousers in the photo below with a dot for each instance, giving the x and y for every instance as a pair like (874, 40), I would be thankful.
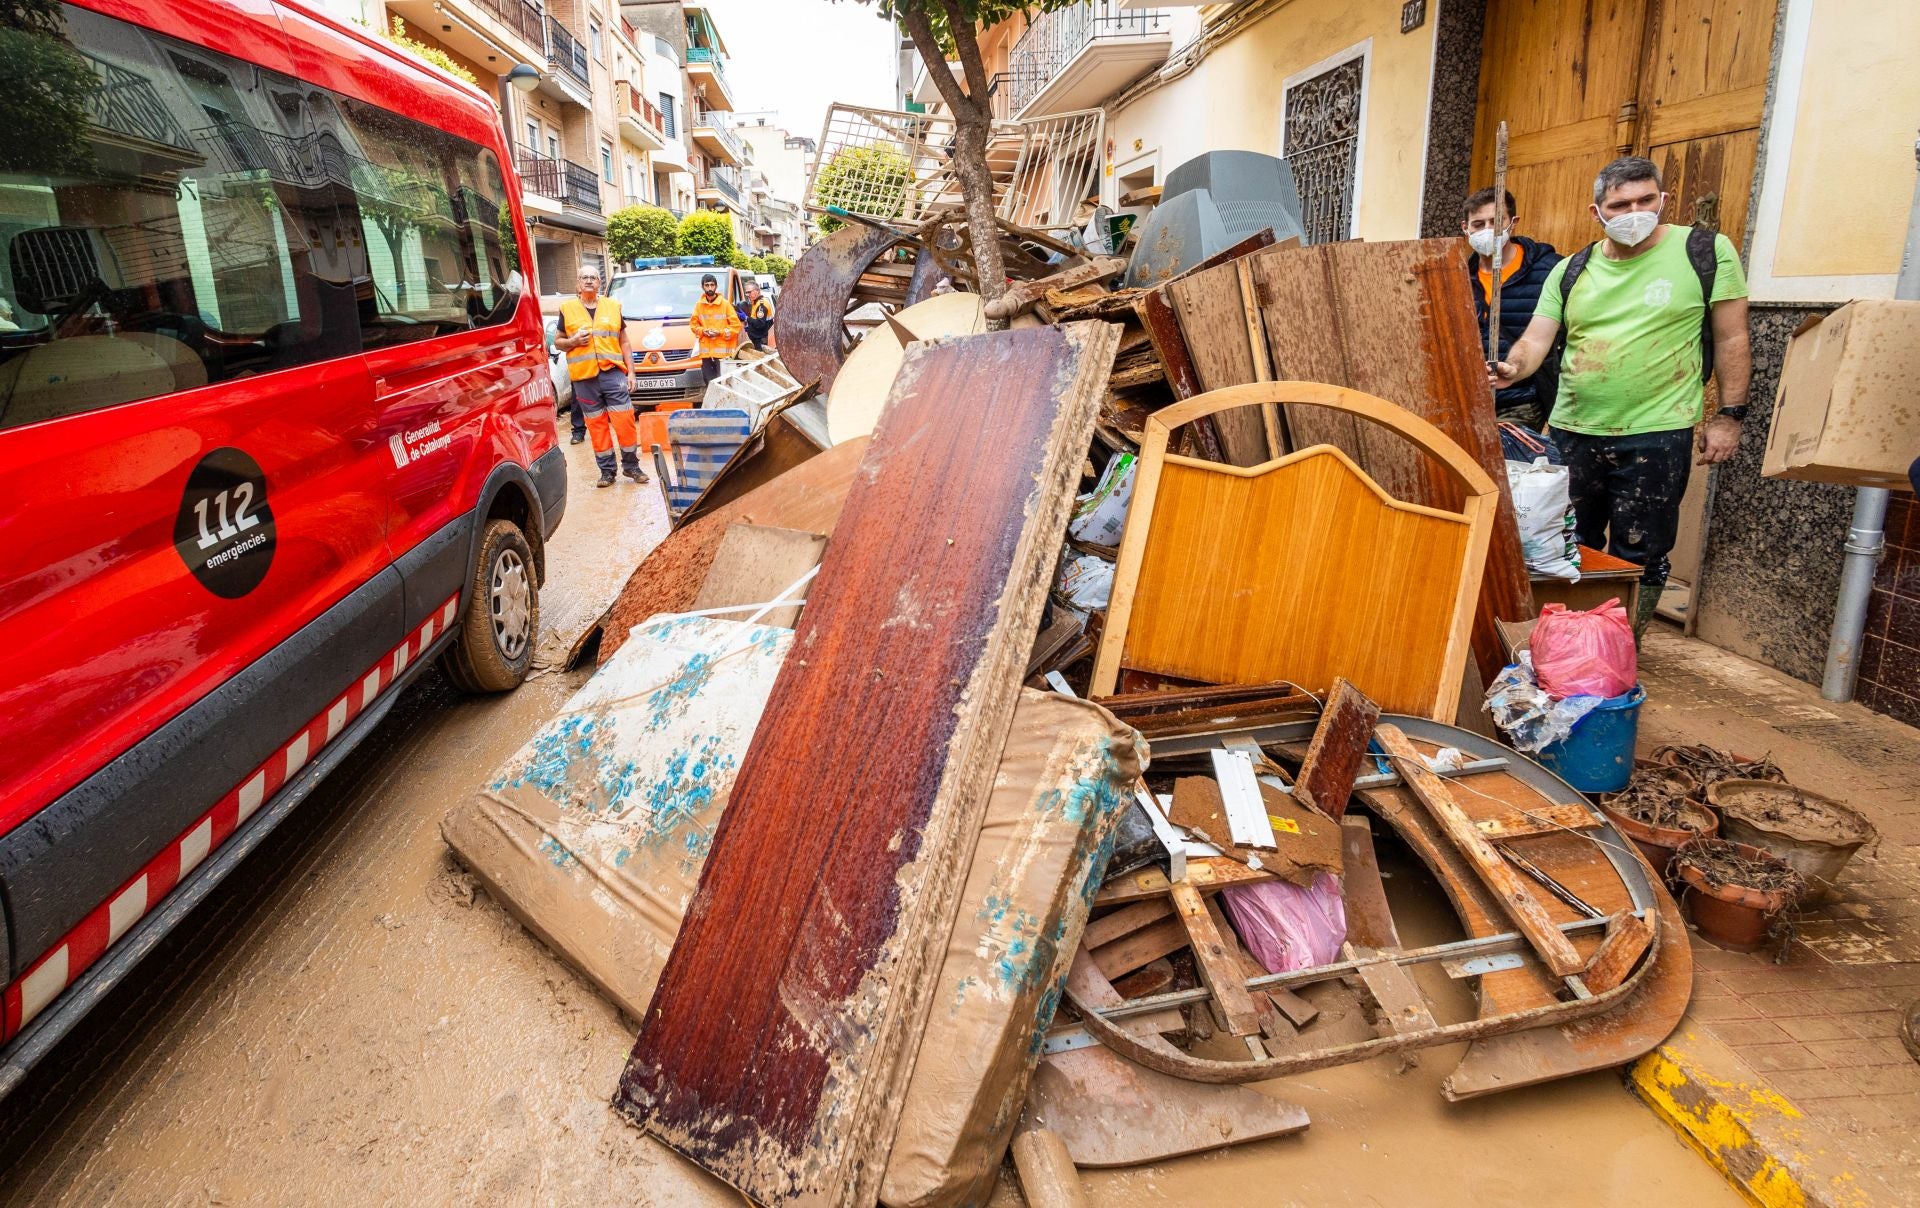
(608, 408)
(1626, 498)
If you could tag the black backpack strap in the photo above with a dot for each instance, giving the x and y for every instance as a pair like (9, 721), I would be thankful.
(1576, 264)
(1706, 266)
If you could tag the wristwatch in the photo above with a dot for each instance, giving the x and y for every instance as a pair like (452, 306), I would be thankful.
(1737, 414)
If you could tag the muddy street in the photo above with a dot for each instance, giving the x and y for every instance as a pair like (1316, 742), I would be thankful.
(349, 1021)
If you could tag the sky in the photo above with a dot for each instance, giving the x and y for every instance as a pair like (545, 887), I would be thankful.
(800, 56)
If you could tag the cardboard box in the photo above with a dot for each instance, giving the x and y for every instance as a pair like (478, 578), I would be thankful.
(1849, 404)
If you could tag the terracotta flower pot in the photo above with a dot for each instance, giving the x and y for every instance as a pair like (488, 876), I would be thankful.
(1736, 916)
(1658, 843)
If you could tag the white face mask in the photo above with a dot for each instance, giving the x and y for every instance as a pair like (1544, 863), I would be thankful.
(1486, 241)
(1629, 229)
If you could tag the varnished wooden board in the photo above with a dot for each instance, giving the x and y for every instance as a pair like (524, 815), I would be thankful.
(774, 1052)
(1207, 872)
(1543, 1054)
(807, 497)
(1339, 741)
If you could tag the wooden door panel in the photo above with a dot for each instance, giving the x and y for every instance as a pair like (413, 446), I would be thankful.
(1708, 180)
(1709, 48)
(1558, 74)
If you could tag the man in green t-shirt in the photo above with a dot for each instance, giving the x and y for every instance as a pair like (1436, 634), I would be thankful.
(1640, 326)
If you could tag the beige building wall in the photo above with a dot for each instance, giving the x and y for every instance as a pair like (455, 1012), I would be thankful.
(1838, 176)
(1233, 101)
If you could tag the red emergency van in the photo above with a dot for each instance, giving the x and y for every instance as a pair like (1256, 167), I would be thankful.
(276, 433)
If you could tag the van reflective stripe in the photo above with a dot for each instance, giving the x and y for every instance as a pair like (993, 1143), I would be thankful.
(57, 968)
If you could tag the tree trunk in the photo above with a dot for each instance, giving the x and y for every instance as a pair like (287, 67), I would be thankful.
(976, 187)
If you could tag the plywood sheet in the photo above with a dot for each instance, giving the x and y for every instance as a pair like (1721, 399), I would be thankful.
(774, 1051)
(807, 497)
(755, 564)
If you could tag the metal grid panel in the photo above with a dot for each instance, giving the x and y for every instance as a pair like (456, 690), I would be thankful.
(898, 166)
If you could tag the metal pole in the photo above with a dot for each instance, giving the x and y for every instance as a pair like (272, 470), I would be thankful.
(1866, 536)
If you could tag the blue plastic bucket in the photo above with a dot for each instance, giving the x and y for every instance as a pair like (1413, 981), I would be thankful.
(1598, 756)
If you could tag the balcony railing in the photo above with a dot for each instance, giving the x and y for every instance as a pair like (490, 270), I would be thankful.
(520, 16)
(722, 182)
(639, 106)
(539, 173)
(1054, 38)
(709, 57)
(127, 103)
(716, 120)
(632, 34)
(568, 56)
(583, 187)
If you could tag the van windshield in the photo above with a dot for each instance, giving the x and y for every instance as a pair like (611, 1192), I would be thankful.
(656, 295)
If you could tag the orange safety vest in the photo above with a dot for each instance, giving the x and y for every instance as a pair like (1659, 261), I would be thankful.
(717, 315)
(603, 352)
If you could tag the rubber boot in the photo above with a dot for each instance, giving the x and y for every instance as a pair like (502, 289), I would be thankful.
(630, 463)
(1644, 608)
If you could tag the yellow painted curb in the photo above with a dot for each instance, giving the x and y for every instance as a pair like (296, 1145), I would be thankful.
(1746, 1130)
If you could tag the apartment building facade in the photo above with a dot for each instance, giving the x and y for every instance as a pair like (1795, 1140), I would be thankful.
(1761, 115)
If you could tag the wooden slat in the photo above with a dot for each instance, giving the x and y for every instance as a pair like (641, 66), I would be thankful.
(773, 1053)
(1125, 921)
(1717, 113)
(1216, 965)
(1516, 897)
(1544, 820)
(1206, 873)
(1402, 1007)
(1627, 937)
(1339, 744)
(1119, 957)
(1589, 138)
(1369, 918)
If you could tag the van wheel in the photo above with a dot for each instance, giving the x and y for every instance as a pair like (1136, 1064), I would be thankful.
(502, 617)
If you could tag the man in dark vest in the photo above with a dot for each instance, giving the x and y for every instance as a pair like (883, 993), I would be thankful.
(1651, 311)
(1524, 265)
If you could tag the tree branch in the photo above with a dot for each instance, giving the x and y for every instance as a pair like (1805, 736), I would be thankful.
(968, 48)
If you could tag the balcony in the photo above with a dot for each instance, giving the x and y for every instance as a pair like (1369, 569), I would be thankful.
(567, 59)
(639, 119)
(720, 186)
(498, 32)
(558, 186)
(712, 135)
(583, 188)
(1079, 57)
(708, 66)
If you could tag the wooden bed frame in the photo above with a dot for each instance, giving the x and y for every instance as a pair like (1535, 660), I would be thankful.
(1301, 568)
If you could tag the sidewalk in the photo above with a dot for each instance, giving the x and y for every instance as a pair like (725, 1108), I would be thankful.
(1791, 1076)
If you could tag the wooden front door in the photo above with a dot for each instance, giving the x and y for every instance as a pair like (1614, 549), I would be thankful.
(1681, 82)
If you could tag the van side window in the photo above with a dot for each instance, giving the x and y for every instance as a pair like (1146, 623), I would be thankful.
(151, 237)
(434, 215)
(172, 218)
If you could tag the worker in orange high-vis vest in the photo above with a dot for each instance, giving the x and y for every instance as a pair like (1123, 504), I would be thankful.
(600, 361)
(717, 327)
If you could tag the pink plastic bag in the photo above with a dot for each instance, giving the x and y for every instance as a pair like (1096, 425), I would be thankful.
(1584, 653)
(1287, 927)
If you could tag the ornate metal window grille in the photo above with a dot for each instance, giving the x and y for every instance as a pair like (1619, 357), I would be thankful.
(1322, 139)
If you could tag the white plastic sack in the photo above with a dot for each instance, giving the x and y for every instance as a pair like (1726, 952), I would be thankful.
(1543, 506)
(1086, 581)
(1099, 516)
